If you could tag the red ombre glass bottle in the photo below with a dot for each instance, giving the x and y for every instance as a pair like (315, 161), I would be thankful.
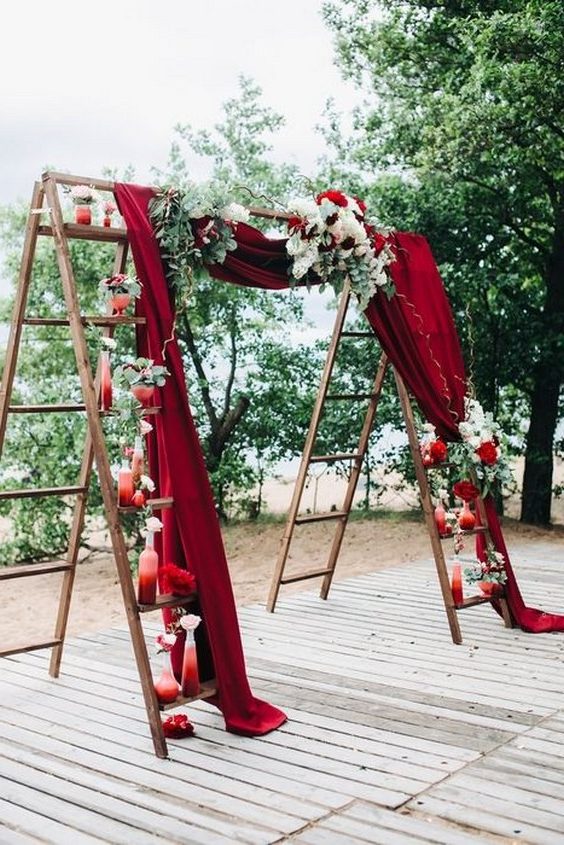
(148, 571)
(106, 397)
(126, 488)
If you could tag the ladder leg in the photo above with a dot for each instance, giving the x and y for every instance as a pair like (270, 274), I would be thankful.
(20, 303)
(79, 514)
(355, 474)
(104, 473)
(308, 448)
(427, 506)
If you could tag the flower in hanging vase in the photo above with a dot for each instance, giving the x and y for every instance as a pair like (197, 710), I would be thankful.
(142, 376)
(490, 571)
(82, 197)
(119, 290)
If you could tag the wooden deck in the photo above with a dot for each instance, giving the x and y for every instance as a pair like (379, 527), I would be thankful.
(395, 735)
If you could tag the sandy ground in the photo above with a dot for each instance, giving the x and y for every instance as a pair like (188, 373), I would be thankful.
(29, 605)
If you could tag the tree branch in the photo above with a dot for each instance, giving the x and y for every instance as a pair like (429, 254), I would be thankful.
(199, 367)
(233, 366)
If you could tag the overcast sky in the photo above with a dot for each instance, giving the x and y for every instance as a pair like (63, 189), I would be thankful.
(91, 84)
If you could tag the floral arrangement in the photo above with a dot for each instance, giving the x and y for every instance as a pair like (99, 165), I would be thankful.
(178, 727)
(189, 622)
(153, 524)
(492, 569)
(194, 226)
(82, 195)
(143, 372)
(109, 208)
(331, 236)
(120, 283)
(434, 451)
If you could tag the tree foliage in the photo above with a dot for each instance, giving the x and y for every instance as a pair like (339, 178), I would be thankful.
(466, 112)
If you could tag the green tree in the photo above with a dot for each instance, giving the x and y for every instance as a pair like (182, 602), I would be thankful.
(471, 95)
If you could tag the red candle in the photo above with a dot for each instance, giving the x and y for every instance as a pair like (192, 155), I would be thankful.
(456, 584)
(126, 487)
(105, 381)
(148, 569)
(190, 679)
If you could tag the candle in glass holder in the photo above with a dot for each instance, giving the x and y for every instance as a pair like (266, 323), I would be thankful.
(148, 569)
(126, 488)
(137, 460)
(105, 381)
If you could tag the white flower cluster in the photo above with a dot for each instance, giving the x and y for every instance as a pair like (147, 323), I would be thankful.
(334, 240)
(478, 427)
(82, 194)
(235, 213)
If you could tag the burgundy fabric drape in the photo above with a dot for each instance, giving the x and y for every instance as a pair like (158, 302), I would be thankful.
(416, 330)
(191, 534)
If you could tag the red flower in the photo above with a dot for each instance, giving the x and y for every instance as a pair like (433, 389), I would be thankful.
(438, 451)
(361, 204)
(465, 490)
(336, 197)
(175, 580)
(178, 727)
(379, 241)
(487, 452)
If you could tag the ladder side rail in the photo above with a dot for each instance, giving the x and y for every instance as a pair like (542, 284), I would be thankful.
(103, 467)
(428, 510)
(355, 474)
(308, 448)
(20, 303)
(79, 513)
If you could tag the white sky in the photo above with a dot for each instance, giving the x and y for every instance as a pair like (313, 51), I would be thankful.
(85, 85)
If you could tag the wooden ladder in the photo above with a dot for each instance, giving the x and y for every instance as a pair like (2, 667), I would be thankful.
(341, 516)
(47, 192)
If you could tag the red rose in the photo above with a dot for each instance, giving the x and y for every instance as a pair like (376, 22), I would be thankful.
(296, 223)
(465, 490)
(438, 451)
(336, 197)
(379, 241)
(487, 452)
(178, 727)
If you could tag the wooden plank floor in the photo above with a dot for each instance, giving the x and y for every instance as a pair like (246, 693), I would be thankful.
(395, 735)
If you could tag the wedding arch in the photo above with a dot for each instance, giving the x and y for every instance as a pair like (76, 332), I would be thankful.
(394, 276)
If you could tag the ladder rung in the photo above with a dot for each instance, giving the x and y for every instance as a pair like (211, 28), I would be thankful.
(87, 320)
(38, 492)
(44, 409)
(358, 334)
(474, 600)
(343, 456)
(21, 649)
(320, 517)
(207, 689)
(481, 529)
(110, 234)
(8, 572)
(358, 397)
(316, 573)
(168, 600)
(155, 504)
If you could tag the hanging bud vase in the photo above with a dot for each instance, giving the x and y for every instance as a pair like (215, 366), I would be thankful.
(126, 488)
(190, 679)
(105, 381)
(466, 518)
(148, 570)
(440, 519)
(456, 584)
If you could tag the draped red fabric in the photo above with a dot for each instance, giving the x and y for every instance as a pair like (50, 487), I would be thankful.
(415, 328)
(191, 536)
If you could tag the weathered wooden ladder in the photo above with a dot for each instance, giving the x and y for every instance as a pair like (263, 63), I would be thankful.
(47, 192)
(355, 459)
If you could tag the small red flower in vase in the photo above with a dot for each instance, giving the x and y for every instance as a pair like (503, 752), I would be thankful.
(108, 208)
(119, 290)
(146, 486)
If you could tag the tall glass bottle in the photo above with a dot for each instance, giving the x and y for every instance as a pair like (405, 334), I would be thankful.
(137, 460)
(126, 488)
(148, 570)
(105, 381)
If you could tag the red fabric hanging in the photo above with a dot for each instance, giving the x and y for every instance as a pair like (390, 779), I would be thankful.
(191, 534)
(417, 331)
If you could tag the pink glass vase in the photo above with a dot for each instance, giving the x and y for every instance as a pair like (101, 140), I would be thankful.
(119, 303)
(143, 393)
(166, 687)
(148, 572)
(466, 518)
(456, 584)
(126, 488)
(440, 519)
(190, 686)
(137, 460)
